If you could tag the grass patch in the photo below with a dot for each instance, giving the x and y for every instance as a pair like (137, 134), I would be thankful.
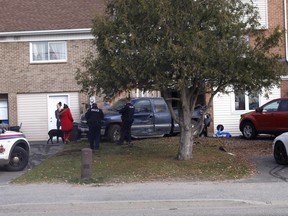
(148, 160)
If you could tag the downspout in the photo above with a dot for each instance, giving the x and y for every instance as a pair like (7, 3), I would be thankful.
(285, 29)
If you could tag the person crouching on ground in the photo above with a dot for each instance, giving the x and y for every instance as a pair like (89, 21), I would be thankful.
(66, 123)
(127, 116)
(94, 117)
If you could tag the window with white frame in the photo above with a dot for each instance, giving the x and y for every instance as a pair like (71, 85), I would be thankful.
(246, 102)
(262, 6)
(3, 109)
(45, 52)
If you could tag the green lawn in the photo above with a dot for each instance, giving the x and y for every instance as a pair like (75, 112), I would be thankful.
(148, 160)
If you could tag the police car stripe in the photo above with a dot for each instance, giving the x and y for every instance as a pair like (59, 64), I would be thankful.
(4, 137)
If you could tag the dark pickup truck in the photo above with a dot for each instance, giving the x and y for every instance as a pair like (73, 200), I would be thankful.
(152, 118)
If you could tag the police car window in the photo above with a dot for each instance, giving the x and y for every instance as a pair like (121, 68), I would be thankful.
(271, 107)
(160, 106)
(142, 106)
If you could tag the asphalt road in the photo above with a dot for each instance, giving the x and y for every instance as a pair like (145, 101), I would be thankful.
(263, 194)
(157, 198)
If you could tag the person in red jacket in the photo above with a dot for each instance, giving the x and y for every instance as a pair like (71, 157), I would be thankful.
(66, 122)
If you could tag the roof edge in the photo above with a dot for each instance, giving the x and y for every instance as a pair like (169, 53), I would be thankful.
(46, 32)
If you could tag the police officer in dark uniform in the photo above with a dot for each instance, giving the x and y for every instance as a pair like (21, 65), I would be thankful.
(94, 116)
(127, 119)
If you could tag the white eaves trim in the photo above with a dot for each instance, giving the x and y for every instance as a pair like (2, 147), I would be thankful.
(61, 34)
(45, 32)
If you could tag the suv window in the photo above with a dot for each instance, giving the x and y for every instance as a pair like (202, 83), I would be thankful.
(271, 107)
(143, 106)
(283, 106)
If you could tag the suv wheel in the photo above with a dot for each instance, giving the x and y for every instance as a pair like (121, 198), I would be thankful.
(280, 153)
(113, 134)
(249, 131)
(18, 160)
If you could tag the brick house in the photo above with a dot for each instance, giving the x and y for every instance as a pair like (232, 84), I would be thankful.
(228, 108)
(41, 45)
(43, 42)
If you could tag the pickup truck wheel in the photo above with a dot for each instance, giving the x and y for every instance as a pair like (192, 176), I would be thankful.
(280, 153)
(249, 131)
(113, 134)
(18, 160)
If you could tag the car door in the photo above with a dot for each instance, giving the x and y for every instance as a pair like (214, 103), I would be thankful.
(267, 119)
(143, 124)
(162, 116)
(281, 116)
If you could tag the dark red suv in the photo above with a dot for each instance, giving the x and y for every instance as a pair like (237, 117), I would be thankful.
(271, 118)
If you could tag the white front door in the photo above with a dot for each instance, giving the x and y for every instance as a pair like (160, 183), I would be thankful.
(52, 102)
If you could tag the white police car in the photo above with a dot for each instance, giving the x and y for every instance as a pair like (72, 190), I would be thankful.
(280, 149)
(14, 150)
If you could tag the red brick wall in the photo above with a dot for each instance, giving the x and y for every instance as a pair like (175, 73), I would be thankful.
(276, 17)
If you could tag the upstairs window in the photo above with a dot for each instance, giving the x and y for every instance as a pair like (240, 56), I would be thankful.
(262, 6)
(46, 52)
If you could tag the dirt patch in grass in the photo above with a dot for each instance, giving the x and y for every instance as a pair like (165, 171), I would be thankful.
(153, 160)
(242, 147)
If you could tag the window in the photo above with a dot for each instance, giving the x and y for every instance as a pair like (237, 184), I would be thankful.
(143, 106)
(271, 107)
(253, 101)
(3, 109)
(283, 106)
(239, 101)
(262, 6)
(246, 102)
(160, 106)
(48, 52)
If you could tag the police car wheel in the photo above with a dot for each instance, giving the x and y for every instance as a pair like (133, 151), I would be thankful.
(18, 160)
(114, 133)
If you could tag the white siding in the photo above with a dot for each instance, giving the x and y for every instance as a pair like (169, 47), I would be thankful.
(75, 106)
(225, 113)
(32, 112)
(262, 6)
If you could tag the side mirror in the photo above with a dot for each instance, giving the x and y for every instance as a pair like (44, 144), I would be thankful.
(258, 109)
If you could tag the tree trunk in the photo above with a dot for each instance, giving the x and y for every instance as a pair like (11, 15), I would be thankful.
(185, 123)
(186, 144)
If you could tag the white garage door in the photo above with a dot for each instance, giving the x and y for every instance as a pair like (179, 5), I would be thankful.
(33, 113)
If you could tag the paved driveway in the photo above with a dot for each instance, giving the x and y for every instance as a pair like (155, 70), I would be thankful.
(39, 152)
(268, 170)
